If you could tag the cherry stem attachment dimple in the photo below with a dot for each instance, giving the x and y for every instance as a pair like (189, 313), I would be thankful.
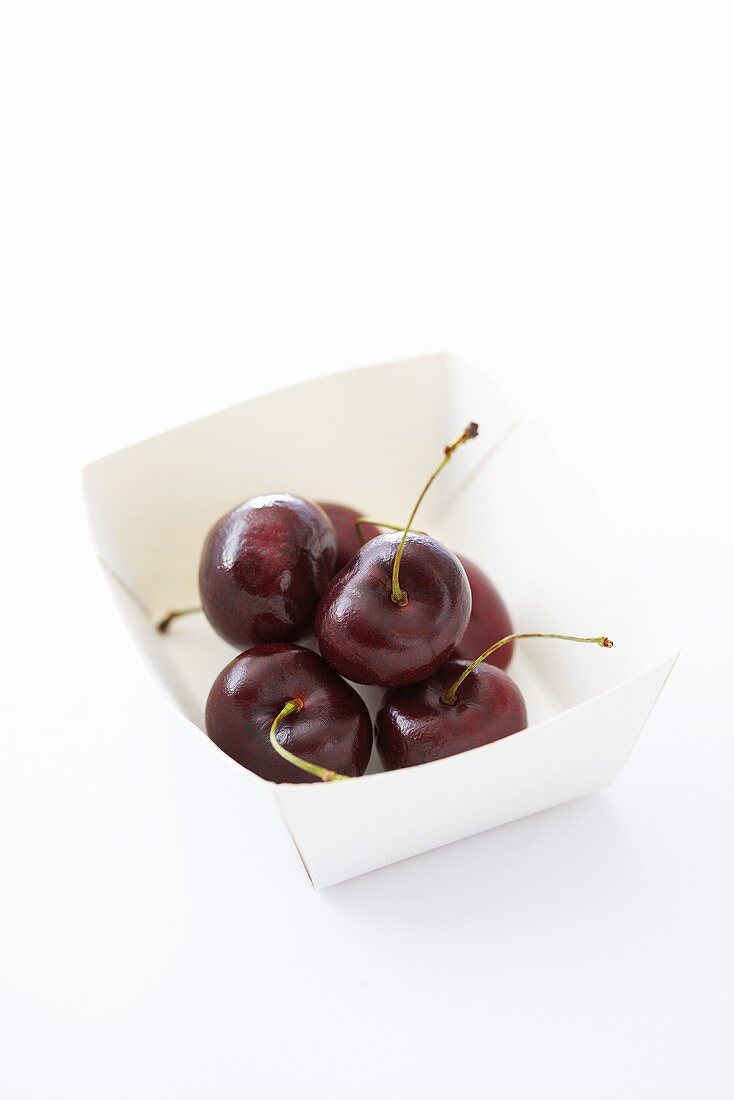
(293, 706)
(166, 621)
(362, 521)
(398, 595)
(449, 697)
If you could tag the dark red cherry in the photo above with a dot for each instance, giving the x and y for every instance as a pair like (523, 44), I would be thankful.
(377, 625)
(348, 542)
(464, 705)
(490, 619)
(264, 567)
(414, 726)
(330, 727)
(369, 638)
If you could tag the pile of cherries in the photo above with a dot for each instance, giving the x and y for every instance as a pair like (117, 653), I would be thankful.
(398, 610)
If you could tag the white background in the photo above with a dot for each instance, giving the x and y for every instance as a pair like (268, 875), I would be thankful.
(200, 202)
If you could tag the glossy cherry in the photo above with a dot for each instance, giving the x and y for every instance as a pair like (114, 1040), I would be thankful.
(489, 618)
(370, 640)
(378, 625)
(319, 725)
(344, 520)
(413, 726)
(263, 568)
(462, 706)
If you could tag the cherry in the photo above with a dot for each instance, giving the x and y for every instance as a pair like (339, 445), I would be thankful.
(462, 706)
(263, 568)
(366, 638)
(352, 531)
(348, 542)
(489, 618)
(413, 726)
(275, 701)
(374, 631)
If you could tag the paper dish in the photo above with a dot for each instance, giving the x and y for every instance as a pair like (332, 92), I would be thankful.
(371, 439)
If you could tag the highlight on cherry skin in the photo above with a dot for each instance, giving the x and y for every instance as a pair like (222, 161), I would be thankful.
(395, 612)
(462, 706)
(263, 568)
(281, 712)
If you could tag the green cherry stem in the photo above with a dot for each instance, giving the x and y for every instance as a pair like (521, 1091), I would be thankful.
(293, 706)
(397, 594)
(364, 520)
(165, 622)
(449, 697)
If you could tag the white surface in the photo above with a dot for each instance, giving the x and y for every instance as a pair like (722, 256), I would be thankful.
(151, 505)
(199, 204)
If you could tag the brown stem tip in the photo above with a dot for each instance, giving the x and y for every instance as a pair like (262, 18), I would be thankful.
(471, 431)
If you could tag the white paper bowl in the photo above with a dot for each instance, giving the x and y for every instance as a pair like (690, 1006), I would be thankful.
(370, 438)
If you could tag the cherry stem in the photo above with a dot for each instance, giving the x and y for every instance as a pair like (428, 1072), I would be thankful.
(293, 706)
(165, 622)
(364, 520)
(449, 697)
(398, 596)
